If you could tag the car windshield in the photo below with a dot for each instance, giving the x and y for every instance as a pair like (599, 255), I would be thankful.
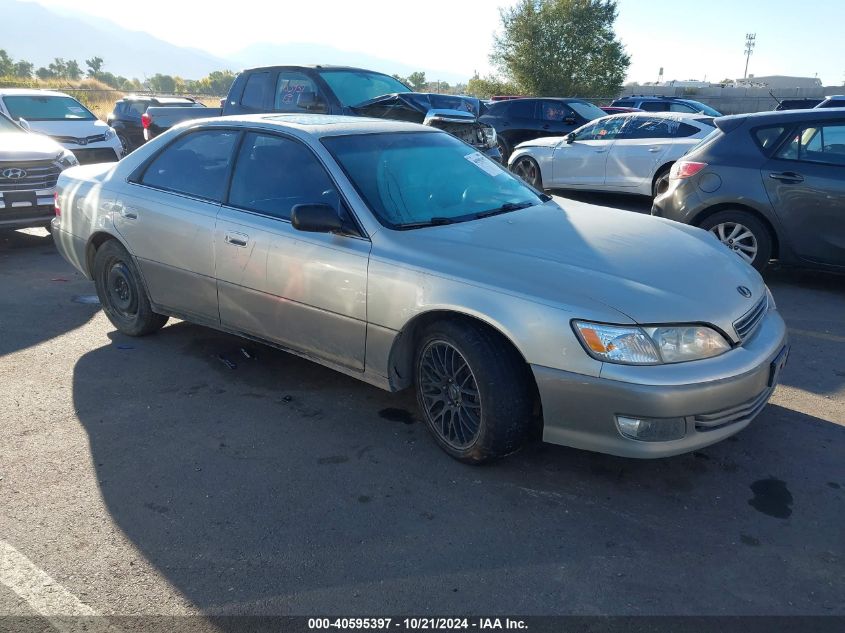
(704, 108)
(8, 126)
(46, 108)
(586, 110)
(416, 179)
(353, 87)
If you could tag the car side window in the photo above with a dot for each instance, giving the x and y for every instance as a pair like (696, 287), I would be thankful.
(681, 107)
(639, 127)
(274, 173)
(601, 130)
(521, 108)
(554, 111)
(293, 91)
(817, 144)
(195, 164)
(255, 91)
(136, 109)
(654, 106)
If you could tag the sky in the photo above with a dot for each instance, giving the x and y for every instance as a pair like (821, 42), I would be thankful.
(689, 40)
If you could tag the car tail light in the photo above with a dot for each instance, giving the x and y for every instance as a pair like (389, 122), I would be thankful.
(685, 169)
(146, 119)
(56, 206)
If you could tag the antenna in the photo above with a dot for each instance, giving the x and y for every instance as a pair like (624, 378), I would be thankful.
(750, 43)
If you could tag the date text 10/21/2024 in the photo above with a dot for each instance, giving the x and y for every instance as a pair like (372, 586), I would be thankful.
(417, 624)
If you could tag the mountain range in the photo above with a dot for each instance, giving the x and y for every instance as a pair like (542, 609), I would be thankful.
(80, 36)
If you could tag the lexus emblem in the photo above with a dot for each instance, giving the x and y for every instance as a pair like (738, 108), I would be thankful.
(745, 292)
(13, 173)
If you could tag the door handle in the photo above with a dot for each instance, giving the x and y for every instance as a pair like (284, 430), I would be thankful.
(237, 239)
(788, 177)
(654, 149)
(129, 214)
(546, 126)
(600, 151)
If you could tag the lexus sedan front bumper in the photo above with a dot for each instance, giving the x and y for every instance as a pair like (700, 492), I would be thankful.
(707, 400)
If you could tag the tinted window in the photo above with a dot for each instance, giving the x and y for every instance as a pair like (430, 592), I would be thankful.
(412, 178)
(293, 88)
(654, 106)
(623, 104)
(136, 109)
(196, 164)
(817, 144)
(255, 91)
(681, 107)
(554, 111)
(587, 110)
(766, 137)
(273, 174)
(46, 108)
(603, 130)
(352, 87)
(703, 108)
(521, 108)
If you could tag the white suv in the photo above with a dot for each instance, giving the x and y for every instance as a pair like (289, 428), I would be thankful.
(64, 119)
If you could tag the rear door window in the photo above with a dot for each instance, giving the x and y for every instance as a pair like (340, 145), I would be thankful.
(522, 108)
(195, 164)
(657, 128)
(654, 106)
(767, 137)
(255, 91)
(817, 144)
(554, 111)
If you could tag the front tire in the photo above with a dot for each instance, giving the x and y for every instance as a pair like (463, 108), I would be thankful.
(473, 390)
(527, 168)
(742, 233)
(122, 293)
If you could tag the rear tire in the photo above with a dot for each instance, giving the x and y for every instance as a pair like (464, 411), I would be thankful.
(473, 390)
(743, 233)
(660, 182)
(122, 293)
(504, 148)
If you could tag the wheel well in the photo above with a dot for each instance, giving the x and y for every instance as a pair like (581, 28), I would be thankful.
(94, 244)
(706, 213)
(401, 362)
(663, 168)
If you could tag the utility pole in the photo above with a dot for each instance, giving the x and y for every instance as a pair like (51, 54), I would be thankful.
(750, 43)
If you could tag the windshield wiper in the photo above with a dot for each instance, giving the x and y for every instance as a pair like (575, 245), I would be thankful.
(505, 208)
(435, 221)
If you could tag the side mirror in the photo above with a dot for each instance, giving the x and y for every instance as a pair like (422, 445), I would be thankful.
(311, 102)
(24, 124)
(570, 137)
(316, 218)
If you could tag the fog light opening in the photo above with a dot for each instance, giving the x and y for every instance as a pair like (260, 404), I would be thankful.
(651, 429)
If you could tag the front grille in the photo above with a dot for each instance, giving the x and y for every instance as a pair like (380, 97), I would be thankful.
(734, 415)
(471, 133)
(748, 323)
(40, 174)
(77, 140)
(99, 155)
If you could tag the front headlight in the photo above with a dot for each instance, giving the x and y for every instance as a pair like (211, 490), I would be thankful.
(488, 132)
(110, 133)
(67, 159)
(632, 345)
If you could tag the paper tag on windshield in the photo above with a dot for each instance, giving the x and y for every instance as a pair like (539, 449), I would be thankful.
(76, 109)
(484, 164)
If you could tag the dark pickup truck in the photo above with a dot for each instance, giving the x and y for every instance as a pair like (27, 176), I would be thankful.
(337, 90)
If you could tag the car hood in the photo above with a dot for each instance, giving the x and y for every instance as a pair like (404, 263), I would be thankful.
(648, 269)
(546, 141)
(69, 127)
(27, 146)
(413, 106)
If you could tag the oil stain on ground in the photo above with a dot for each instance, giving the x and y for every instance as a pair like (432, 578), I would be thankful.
(397, 415)
(771, 497)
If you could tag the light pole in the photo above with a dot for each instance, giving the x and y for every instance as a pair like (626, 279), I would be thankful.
(750, 42)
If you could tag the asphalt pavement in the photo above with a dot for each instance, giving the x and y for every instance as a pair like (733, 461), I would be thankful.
(190, 472)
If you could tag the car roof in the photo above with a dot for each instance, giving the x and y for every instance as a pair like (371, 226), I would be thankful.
(31, 92)
(780, 116)
(314, 67)
(320, 125)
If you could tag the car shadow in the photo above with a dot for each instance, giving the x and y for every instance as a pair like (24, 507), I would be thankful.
(41, 295)
(257, 482)
(621, 201)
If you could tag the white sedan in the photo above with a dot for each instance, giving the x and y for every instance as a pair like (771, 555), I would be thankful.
(626, 153)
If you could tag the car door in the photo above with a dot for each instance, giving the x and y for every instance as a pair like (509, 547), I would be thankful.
(304, 291)
(805, 182)
(557, 118)
(166, 214)
(518, 121)
(639, 149)
(581, 159)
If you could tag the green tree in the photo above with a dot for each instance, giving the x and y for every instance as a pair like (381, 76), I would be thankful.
(561, 48)
(23, 70)
(58, 68)
(486, 87)
(72, 70)
(95, 66)
(417, 80)
(44, 73)
(219, 82)
(162, 83)
(7, 64)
